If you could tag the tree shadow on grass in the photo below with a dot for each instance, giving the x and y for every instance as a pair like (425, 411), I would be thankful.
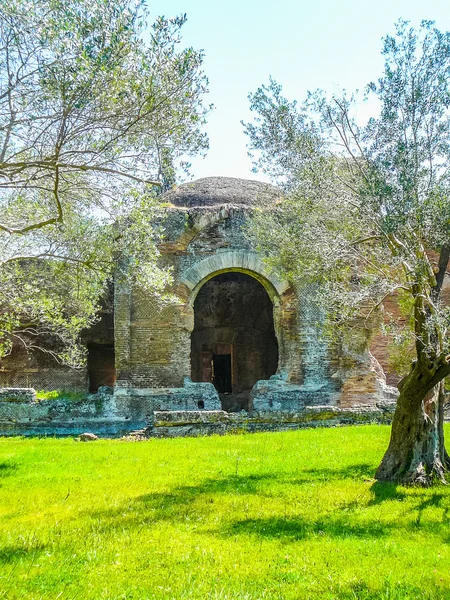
(15, 552)
(358, 472)
(348, 521)
(185, 503)
(190, 504)
(395, 591)
(7, 467)
(177, 502)
(176, 505)
(294, 529)
(383, 491)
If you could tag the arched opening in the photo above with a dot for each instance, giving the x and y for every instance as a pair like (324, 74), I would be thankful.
(233, 343)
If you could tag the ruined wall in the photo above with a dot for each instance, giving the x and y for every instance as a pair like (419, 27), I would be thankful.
(37, 369)
(155, 348)
(158, 341)
(106, 415)
(153, 338)
(279, 341)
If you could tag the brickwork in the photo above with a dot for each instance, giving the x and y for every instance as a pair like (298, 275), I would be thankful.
(157, 339)
(203, 244)
(23, 369)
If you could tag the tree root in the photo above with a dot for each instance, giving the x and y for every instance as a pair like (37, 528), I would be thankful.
(419, 475)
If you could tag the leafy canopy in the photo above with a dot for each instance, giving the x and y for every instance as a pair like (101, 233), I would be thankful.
(366, 203)
(98, 110)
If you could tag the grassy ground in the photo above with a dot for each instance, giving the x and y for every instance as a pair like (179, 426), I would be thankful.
(277, 515)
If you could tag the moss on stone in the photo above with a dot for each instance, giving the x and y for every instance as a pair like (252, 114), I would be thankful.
(59, 395)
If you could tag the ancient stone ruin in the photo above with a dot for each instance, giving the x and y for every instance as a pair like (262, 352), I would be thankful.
(234, 346)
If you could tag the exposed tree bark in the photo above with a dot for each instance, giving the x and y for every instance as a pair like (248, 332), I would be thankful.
(416, 452)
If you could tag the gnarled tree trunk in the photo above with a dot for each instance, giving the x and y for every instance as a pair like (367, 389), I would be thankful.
(416, 452)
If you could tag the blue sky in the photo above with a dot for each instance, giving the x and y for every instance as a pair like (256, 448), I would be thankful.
(326, 44)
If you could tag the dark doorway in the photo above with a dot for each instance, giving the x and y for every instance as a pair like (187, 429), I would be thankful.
(222, 373)
(101, 367)
(233, 344)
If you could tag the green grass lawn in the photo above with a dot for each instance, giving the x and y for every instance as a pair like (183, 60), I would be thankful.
(276, 515)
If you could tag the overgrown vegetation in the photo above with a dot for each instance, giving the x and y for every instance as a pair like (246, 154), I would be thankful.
(278, 515)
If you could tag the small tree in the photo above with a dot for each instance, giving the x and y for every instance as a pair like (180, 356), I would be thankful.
(96, 113)
(368, 205)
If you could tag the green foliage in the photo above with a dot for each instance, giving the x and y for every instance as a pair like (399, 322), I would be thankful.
(401, 353)
(282, 138)
(98, 111)
(276, 515)
(364, 201)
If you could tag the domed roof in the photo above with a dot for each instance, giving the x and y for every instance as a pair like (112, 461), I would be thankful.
(214, 191)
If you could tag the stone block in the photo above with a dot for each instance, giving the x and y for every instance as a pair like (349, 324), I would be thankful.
(278, 395)
(192, 396)
(184, 417)
(88, 437)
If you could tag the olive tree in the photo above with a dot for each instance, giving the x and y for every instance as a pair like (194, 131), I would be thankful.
(98, 110)
(368, 215)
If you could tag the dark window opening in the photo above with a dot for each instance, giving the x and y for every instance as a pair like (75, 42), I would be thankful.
(222, 373)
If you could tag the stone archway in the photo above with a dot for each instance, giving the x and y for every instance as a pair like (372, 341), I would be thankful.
(243, 261)
(233, 343)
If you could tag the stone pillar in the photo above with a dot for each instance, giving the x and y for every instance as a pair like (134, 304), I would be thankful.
(122, 316)
(285, 315)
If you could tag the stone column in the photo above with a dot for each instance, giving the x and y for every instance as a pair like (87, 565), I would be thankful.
(122, 315)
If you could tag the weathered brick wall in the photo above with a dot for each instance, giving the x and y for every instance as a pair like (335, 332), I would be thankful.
(287, 328)
(40, 370)
(26, 369)
(159, 342)
(152, 338)
(122, 318)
